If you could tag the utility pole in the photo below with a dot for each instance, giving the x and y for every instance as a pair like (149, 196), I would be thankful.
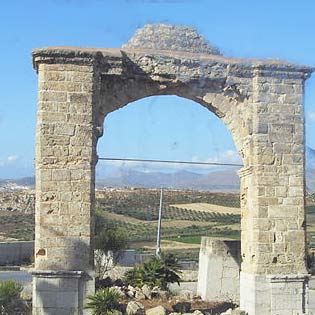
(158, 238)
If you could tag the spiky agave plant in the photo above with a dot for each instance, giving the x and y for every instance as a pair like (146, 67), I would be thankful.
(103, 302)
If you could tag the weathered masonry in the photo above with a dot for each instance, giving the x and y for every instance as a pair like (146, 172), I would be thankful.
(260, 101)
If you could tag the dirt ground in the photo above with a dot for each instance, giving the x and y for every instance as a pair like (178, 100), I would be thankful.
(167, 245)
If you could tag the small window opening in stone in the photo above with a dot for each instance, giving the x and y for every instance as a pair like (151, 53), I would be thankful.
(41, 252)
(274, 260)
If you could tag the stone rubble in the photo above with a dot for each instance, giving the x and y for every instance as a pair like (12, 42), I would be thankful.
(170, 37)
(139, 295)
(158, 310)
(182, 307)
(135, 308)
(146, 291)
(186, 295)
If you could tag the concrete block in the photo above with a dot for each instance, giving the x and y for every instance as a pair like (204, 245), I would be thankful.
(218, 275)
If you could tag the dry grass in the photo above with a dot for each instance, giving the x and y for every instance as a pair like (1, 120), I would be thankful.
(171, 245)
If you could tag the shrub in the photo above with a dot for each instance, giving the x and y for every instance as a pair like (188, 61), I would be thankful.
(109, 240)
(103, 302)
(108, 243)
(159, 271)
(10, 297)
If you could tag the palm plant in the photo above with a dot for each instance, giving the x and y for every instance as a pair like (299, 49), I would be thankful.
(169, 270)
(103, 302)
(159, 271)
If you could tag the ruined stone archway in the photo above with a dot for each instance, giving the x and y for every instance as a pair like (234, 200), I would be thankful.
(260, 101)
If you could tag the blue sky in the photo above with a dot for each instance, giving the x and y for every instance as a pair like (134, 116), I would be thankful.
(161, 127)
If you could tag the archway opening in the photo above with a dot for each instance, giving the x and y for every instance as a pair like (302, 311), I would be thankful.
(198, 200)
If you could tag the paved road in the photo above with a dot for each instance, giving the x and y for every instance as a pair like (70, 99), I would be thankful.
(20, 276)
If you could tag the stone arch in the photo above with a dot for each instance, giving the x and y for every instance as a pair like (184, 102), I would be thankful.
(214, 102)
(261, 101)
(153, 98)
(224, 95)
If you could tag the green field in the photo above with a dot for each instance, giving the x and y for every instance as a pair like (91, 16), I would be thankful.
(136, 210)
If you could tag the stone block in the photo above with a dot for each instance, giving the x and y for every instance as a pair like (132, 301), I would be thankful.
(65, 129)
(158, 310)
(47, 76)
(84, 98)
(82, 76)
(60, 175)
(135, 308)
(52, 96)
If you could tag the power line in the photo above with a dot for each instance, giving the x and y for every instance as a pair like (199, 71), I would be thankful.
(168, 161)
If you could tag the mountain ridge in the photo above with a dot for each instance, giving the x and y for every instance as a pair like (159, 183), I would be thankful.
(216, 180)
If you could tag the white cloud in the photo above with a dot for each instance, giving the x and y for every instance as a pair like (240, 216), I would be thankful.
(8, 160)
(228, 156)
(231, 156)
(311, 116)
(146, 167)
(12, 158)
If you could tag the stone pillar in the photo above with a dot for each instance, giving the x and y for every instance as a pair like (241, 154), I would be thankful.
(274, 275)
(65, 180)
(219, 268)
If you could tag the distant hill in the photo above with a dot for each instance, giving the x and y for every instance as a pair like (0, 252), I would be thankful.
(27, 181)
(310, 169)
(213, 181)
(219, 180)
(17, 184)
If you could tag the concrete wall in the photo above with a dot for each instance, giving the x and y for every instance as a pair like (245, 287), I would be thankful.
(311, 296)
(219, 267)
(16, 253)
